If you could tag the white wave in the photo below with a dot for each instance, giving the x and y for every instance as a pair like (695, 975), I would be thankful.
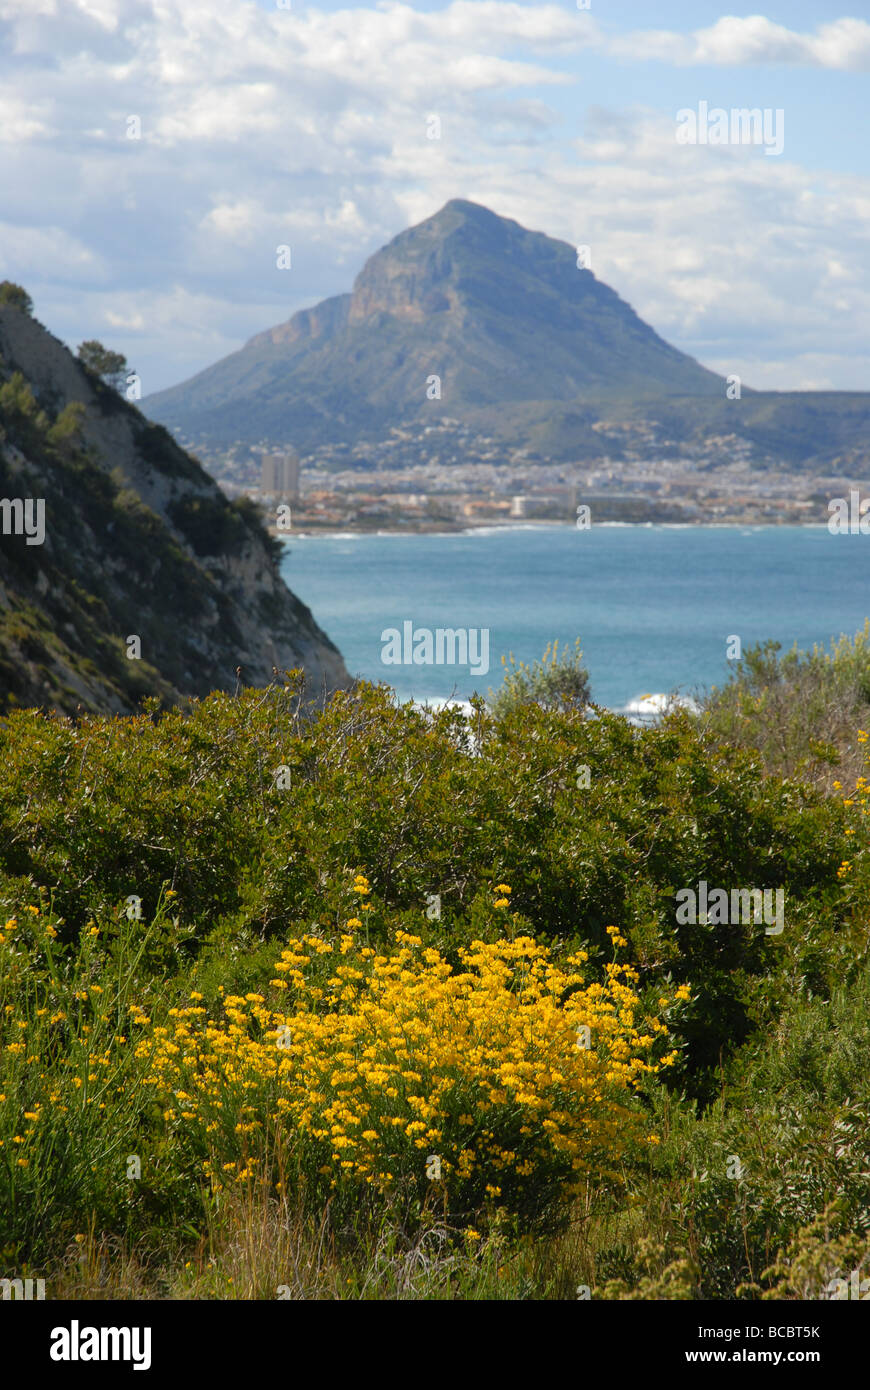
(438, 702)
(654, 705)
(507, 528)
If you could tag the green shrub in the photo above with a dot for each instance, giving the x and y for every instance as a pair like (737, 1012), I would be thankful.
(240, 825)
(556, 682)
(15, 296)
(799, 710)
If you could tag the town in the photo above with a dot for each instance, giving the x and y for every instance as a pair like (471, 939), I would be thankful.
(447, 477)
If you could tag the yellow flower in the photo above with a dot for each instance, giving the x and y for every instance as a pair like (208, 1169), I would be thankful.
(377, 1053)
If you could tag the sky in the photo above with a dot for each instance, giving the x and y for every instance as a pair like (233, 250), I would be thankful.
(285, 123)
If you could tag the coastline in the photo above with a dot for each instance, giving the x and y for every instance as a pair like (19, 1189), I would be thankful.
(349, 530)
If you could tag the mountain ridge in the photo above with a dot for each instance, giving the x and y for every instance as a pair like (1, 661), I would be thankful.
(529, 350)
(466, 291)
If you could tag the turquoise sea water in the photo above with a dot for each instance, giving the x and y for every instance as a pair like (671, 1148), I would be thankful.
(652, 605)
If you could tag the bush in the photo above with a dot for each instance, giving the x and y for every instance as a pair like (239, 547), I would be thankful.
(555, 682)
(67, 428)
(15, 296)
(111, 366)
(109, 808)
(377, 1064)
(799, 710)
(425, 993)
(17, 398)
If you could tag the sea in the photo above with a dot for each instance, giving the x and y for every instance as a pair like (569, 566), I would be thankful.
(657, 608)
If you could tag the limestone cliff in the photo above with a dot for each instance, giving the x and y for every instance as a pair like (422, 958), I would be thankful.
(139, 542)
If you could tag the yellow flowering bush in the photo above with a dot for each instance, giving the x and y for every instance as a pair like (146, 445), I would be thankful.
(206, 1082)
(500, 1083)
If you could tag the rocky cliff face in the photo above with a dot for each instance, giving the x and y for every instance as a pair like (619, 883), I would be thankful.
(139, 543)
(308, 325)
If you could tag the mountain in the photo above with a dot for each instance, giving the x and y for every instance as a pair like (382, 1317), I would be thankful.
(530, 350)
(135, 541)
(500, 314)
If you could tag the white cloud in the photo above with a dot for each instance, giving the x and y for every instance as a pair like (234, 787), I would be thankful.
(263, 127)
(45, 252)
(739, 41)
(19, 120)
(235, 221)
(133, 323)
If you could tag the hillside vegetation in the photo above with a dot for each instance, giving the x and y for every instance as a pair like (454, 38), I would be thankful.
(386, 1003)
(134, 541)
(800, 709)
